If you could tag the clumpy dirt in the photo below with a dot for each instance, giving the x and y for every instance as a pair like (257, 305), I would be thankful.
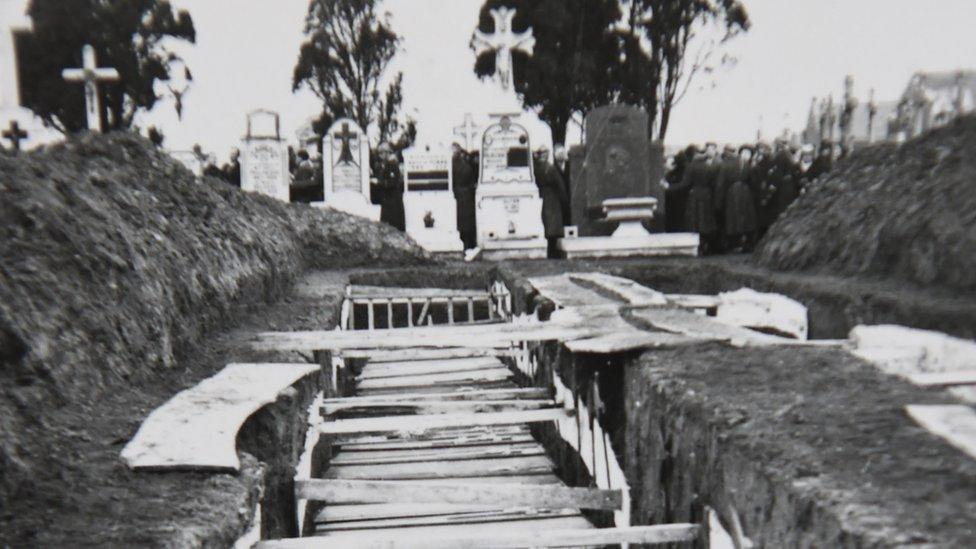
(904, 212)
(810, 447)
(115, 265)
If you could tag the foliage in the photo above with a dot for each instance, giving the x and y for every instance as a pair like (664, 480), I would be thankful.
(344, 62)
(666, 43)
(567, 72)
(127, 35)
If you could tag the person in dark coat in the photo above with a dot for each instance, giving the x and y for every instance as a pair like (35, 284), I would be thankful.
(552, 190)
(389, 181)
(232, 169)
(784, 183)
(741, 219)
(822, 164)
(676, 197)
(465, 178)
(699, 211)
(561, 161)
(759, 184)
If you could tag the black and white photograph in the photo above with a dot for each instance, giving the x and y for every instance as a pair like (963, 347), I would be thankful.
(461, 274)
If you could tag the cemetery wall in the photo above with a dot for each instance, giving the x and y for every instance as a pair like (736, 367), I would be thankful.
(899, 212)
(115, 263)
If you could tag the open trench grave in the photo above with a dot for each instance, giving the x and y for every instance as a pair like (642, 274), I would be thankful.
(551, 411)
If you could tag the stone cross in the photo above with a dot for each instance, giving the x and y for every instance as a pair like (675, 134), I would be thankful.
(14, 135)
(503, 42)
(345, 156)
(469, 131)
(91, 75)
(12, 21)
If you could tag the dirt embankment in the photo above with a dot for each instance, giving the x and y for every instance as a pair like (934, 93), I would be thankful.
(902, 212)
(114, 263)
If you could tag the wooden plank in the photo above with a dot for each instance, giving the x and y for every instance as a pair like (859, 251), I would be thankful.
(420, 353)
(493, 536)
(442, 387)
(390, 369)
(443, 469)
(370, 511)
(581, 324)
(632, 340)
(461, 393)
(393, 424)
(453, 434)
(436, 407)
(693, 301)
(943, 379)
(414, 444)
(691, 324)
(621, 288)
(353, 537)
(474, 376)
(562, 291)
(376, 457)
(197, 428)
(470, 491)
(954, 423)
(396, 291)
(457, 518)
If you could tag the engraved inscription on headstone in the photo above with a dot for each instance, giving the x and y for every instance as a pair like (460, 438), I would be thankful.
(428, 200)
(346, 170)
(264, 157)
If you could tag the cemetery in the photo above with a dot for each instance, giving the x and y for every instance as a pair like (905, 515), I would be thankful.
(504, 342)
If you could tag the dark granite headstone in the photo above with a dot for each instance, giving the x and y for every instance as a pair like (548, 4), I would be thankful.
(618, 161)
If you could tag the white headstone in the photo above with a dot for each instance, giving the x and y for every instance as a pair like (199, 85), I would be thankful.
(509, 210)
(264, 157)
(428, 200)
(345, 166)
(469, 132)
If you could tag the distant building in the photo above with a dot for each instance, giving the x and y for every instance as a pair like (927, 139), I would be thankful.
(933, 99)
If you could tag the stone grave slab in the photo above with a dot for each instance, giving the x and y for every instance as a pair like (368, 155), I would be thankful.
(428, 201)
(631, 238)
(509, 209)
(264, 157)
(345, 163)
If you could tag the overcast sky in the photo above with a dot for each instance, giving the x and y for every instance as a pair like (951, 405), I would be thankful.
(246, 51)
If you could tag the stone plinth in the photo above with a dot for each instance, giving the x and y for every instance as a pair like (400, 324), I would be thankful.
(630, 239)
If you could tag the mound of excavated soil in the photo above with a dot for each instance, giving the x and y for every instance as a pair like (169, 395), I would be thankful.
(114, 260)
(905, 213)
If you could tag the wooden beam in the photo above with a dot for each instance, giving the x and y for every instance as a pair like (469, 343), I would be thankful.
(943, 379)
(437, 407)
(442, 469)
(197, 428)
(390, 369)
(556, 496)
(372, 511)
(392, 291)
(500, 373)
(451, 519)
(381, 457)
(499, 538)
(394, 424)
(420, 353)
(632, 340)
(367, 444)
(954, 423)
(460, 393)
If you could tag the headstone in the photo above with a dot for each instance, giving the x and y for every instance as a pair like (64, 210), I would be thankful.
(19, 120)
(264, 157)
(428, 201)
(469, 132)
(345, 153)
(509, 210)
(503, 42)
(618, 161)
(190, 160)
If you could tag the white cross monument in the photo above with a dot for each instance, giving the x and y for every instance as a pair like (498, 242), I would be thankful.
(470, 132)
(503, 42)
(91, 75)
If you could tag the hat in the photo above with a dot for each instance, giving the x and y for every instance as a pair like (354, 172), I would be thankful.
(729, 148)
(747, 147)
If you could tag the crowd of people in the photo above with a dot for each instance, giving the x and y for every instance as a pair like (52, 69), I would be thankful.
(732, 198)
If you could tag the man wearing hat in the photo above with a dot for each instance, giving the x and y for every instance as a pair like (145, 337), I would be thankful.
(700, 208)
(465, 176)
(552, 190)
(389, 180)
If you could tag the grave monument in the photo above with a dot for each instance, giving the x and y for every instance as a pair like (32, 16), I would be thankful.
(264, 157)
(345, 166)
(616, 194)
(508, 207)
(428, 201)
(22, 129)
(90, 74)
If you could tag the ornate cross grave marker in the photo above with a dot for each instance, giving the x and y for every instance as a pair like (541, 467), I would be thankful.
(503, 42)
(469, 131)
(91, 75)
(14, 135)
